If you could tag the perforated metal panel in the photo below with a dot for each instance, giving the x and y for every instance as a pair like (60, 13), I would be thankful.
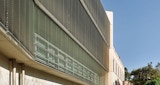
(74, 17)
(2, 11)
(47, 53)
(97, 11)
(24, 19)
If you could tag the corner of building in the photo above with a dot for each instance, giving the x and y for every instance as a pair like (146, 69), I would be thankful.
(116, 68)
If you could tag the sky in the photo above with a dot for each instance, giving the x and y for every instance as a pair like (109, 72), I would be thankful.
(136, 31)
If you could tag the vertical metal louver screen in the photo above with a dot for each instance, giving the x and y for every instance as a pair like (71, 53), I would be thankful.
(19, 21)
(24, 19)
(17, 16)
(48, 53)
(74, 17)
(2, 11)
(99, 15)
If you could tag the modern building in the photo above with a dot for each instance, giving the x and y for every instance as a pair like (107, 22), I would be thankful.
(54, 42)
(116, 70)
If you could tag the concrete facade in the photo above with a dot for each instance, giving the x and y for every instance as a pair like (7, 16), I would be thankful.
(116, 67)
(40, 47)
(13, 73)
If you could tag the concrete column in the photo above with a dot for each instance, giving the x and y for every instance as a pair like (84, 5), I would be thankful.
(12, 67)
(22, 74)
(110, 17)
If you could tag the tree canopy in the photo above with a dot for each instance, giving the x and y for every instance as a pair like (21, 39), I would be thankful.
(141, 75)
(153, 82)
(127, 74)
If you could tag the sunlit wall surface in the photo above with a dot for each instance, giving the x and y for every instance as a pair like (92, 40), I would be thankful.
(49, 44)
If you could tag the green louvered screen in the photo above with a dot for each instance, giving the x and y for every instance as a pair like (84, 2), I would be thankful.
(74, 17)
(47, 53)
(25, 20)
(2, 11)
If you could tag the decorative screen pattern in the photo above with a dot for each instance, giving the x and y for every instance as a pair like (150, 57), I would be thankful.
(73, 16)
(47, 53)
(24, 20)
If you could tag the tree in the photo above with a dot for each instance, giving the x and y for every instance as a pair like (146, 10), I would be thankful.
(139, 76)
(158, 66)
(153, 82)
(127, 74)
(142, 75)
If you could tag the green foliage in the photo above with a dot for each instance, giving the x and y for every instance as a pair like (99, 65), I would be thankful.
(153, 82)
(141, 75)
(158, 66)
(127, 74)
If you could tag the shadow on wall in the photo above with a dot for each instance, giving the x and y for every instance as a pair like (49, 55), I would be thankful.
(117, 82)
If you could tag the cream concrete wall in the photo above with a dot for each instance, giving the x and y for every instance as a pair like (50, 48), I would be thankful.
(37, 77)
(13, 73)
(116, 68)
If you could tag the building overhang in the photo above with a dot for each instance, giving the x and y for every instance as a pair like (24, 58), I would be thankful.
(10, 48)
